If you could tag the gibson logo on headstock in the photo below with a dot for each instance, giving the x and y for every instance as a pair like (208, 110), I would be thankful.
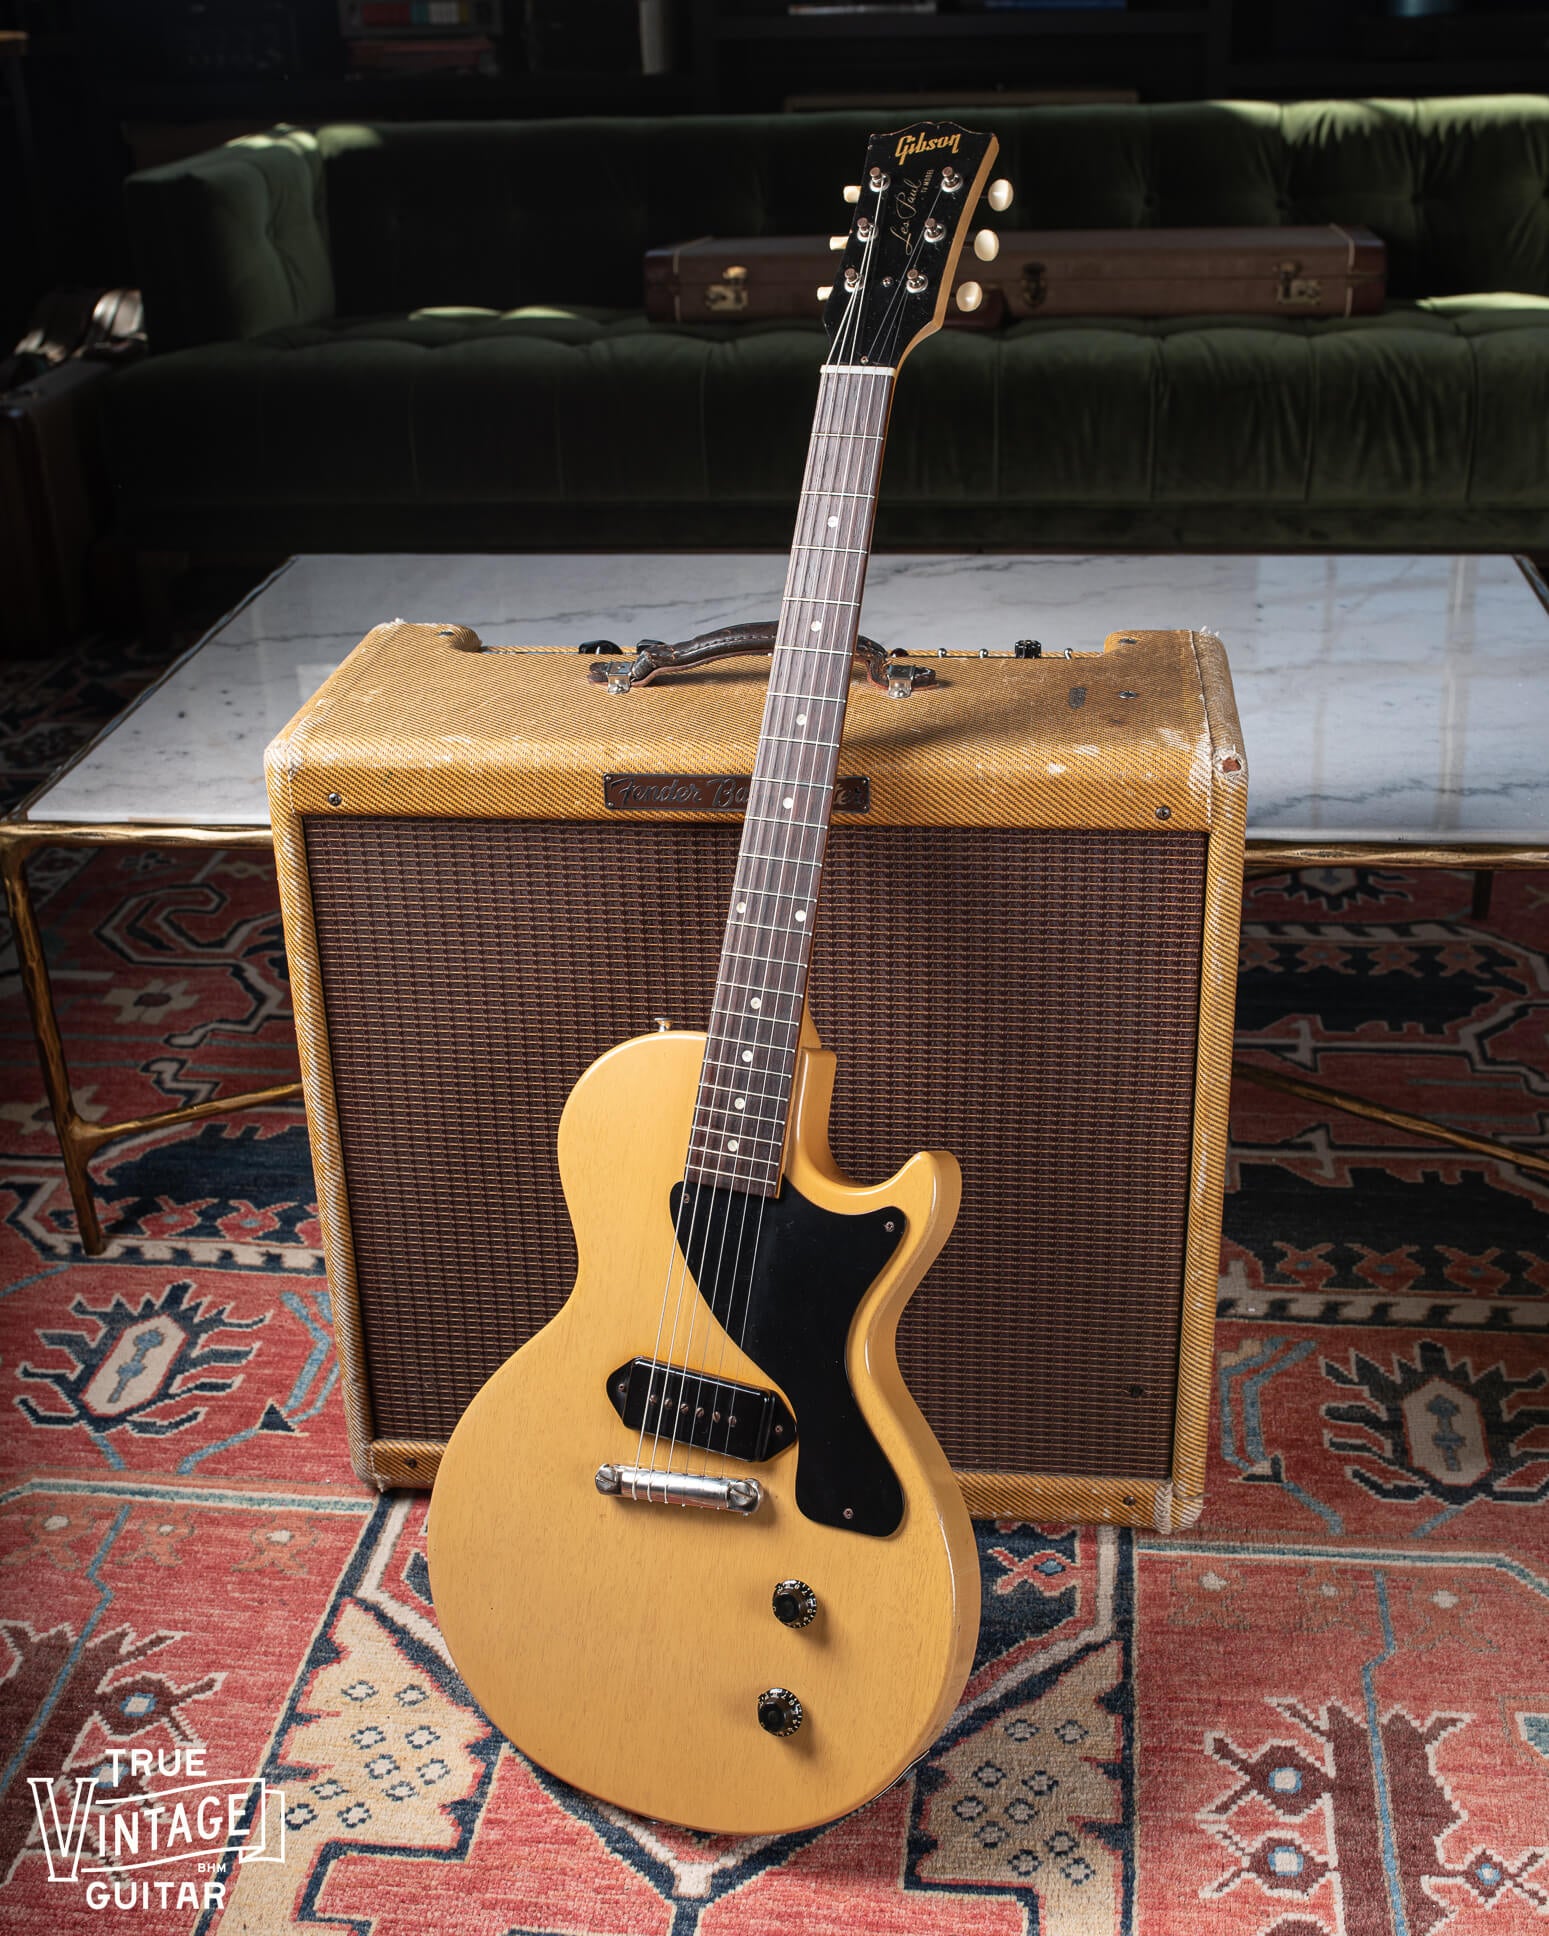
(916, 144)
(707, 793)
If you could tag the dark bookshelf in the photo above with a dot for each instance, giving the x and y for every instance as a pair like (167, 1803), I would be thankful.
(1069, 22)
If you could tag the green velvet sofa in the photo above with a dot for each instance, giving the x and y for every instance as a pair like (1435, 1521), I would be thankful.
(430, 336)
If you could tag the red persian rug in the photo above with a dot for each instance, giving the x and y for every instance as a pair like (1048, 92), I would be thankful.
(1323, 1712)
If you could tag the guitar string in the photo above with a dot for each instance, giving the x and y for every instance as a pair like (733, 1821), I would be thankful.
(804, 765)
(820, 842)
(851, 472)
(682, 1249)
(778, 718)
(833, 561)
(769, 1084)
(830, 400)
(856, 453)
(853, 621)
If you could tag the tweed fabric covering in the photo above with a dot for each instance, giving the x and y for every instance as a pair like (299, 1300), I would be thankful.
(419, 721)
(1320, 1712)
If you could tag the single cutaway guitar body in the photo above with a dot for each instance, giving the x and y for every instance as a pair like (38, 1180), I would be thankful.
(625, 1643)
(694, 1548)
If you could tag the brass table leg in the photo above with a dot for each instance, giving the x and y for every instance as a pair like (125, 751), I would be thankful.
(1395, 1118)
(45, 1029)
(78, 1139)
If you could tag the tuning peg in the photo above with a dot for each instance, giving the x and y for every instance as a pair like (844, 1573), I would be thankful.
(969, 296)
(825, 292)
(837, 241)
(999, 194)
(853, 192)
(986, 245)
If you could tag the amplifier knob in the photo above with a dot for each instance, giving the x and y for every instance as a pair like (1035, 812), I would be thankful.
(779, 1711)
(795, 1604)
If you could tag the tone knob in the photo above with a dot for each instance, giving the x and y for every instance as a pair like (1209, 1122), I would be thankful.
(969, 297)
(795, 1604)
(986, 245)
(779, 1711)
(999, 194)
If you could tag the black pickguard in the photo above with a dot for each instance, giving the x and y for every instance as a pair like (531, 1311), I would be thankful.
(788, 1301)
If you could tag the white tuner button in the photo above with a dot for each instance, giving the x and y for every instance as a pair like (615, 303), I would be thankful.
(969, 297)
(986, 245)
(825, 291)
(853, 192)
(998, 195)
(837, 241)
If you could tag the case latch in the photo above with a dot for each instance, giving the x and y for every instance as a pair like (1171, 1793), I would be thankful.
(731, 292)
(1297, 291)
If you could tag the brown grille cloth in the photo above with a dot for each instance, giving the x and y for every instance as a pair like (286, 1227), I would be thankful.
(1025, 999)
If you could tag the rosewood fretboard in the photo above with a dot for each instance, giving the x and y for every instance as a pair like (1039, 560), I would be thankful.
(744, 1096)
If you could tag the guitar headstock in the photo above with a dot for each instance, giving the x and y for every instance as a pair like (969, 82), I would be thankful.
(918, 193)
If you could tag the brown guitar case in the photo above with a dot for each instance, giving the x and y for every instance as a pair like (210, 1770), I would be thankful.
(1326, 270)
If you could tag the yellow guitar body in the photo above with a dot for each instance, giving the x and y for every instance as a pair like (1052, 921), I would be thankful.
(623, 1644)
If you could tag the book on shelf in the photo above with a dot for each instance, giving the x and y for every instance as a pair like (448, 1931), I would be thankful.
(364, 19)
(875, 8)
(467, 54)
(1048, 6)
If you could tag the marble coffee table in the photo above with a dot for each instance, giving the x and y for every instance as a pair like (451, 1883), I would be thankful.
(1395, 709)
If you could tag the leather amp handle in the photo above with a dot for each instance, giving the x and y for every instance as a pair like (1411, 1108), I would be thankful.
(653, 656)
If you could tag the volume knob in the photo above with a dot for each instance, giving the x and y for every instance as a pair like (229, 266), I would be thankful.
(795, 1604)
(779, 1711)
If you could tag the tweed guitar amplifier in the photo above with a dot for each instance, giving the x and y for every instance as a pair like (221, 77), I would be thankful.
(493, 870)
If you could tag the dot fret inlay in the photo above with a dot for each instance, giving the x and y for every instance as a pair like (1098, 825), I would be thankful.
(738, 1135)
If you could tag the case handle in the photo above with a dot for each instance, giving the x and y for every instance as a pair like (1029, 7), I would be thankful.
(653, 656)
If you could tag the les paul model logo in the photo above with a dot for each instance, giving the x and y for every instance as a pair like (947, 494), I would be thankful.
(707, 793)
(917, 144)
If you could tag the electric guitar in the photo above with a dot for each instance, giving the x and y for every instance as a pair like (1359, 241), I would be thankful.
(694, 1548)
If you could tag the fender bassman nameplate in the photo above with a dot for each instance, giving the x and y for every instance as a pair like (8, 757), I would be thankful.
(707, 793)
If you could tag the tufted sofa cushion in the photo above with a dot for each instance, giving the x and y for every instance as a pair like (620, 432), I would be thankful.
(424, 335)
(486, 428)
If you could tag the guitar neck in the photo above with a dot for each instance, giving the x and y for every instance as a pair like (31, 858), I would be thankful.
(744, 1098)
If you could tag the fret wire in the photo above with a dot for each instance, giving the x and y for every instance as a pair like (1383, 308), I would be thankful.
(732, 1122)
(736, 1120)
(762, 1182)
(787, 819)
(738, 954)
(783, 860)
(774, 994)
(850, 419)
(774, 894)
(744, 1070)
